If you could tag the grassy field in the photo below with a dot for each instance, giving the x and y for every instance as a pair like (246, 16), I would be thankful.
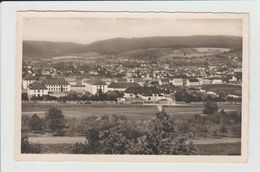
(220, 149)
(130, 111)
(211, 149)
(231, 89)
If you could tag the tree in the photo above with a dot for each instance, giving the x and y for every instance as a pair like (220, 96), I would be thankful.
(210, 107)
(27, 147)
(55, 120)
(223, 129)
(36, 124)
(25, 96)
(162, 137)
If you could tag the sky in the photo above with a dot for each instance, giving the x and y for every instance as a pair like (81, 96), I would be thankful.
(88, 30)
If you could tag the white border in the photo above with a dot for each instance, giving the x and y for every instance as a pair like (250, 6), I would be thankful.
(8, 31)
(134, 158)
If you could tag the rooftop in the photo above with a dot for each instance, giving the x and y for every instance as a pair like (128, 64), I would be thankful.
(37, 86)
(95, 82)
(193, 80)
(123, 85)
(55, 81)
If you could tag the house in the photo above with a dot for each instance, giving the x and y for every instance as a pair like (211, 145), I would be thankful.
(192, 82)
(121, 80)
(108, 80)
(130, 79)
(37, 89)
(71, 80)
(206, 81)
(177, 82)
(139, 81)
(217, 81)
(27, 81)
(78, 88)
(121, 86)
(164, 82)
(95, 85)
(56, 84)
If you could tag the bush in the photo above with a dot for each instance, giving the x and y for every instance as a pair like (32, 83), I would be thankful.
(27, 147)
(36, 124)
(161, 137)
(55, 120)
(210, 107)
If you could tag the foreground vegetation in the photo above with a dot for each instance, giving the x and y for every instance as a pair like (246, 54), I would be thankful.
(112, 134)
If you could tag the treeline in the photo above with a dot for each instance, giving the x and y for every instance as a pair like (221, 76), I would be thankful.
(73, 96)
(202, 97)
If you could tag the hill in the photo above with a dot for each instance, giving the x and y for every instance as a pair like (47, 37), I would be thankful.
(39, 49)
(44, 49)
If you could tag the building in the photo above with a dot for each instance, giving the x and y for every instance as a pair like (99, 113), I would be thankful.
(206, 81)
(27, 81)
(121, 86)
(164, 82)
(36, 89)
(71, 80)
(56, 84)
(192, 82)
(139, 81)
(94, 86)
(78, 88)
(177, 82)
(216, 81)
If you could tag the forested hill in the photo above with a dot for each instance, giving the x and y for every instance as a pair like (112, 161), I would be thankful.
(41, 49)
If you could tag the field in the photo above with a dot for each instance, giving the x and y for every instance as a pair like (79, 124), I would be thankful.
(230, 89)
(204, 149)
(129, 111)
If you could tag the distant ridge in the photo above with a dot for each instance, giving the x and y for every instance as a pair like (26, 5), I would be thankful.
(44, 49)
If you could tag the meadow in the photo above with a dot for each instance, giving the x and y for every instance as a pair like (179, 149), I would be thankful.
(137, 112)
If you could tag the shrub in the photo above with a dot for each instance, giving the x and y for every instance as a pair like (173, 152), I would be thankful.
(210, 107)
(161, 137)
(27, 147)
(55, 120)
(36, 124)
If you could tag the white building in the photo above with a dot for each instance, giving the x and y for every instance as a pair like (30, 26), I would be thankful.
(37, 89)
(177, 82)
(78, 88)
(206, 81)
(71, 80)
(93, 86)
(56, 84)
(217, 81)
(192, 82)
(27, 81)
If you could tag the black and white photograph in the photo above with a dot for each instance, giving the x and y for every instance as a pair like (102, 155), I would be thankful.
(127, 83)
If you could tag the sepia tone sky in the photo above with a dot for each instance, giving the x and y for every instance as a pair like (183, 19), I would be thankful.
(87, 30)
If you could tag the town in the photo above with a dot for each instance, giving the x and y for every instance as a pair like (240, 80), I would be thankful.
(142, 79)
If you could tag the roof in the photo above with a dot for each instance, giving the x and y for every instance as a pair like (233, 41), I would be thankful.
(55, 81)
(31, 78)
(123, 85)
(138, 79)
(164, 80)
(193, 80)
(37, 86)
(70, 79)
(147, 91)
(77, 85)
(177, 79)
(121, 80)
(95, 82)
